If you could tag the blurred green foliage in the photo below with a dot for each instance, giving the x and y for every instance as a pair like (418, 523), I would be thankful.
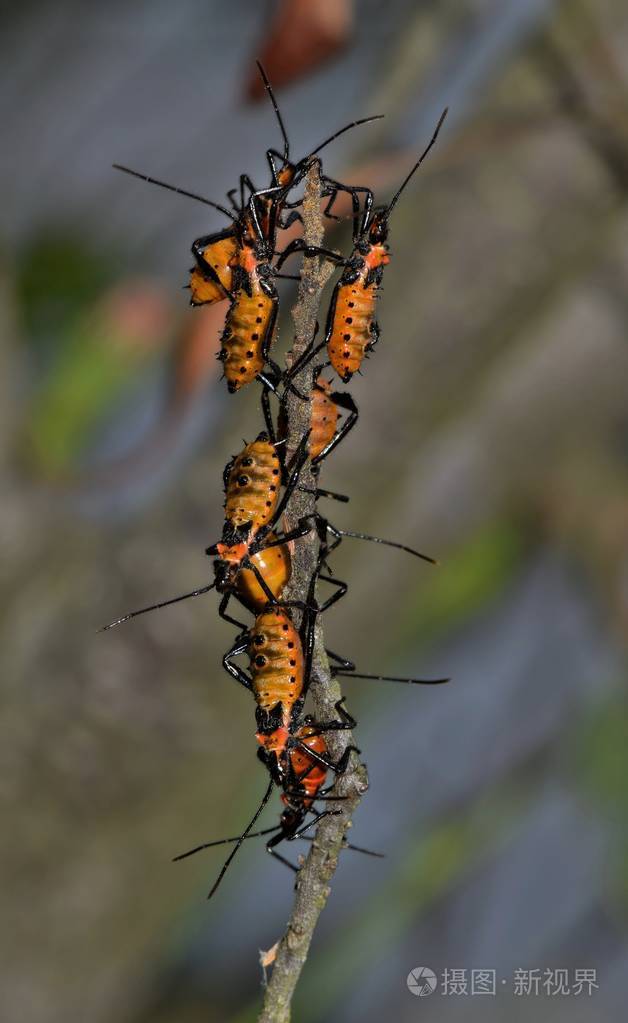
(87, 336)
(602, 763)
(472, 575)
(57, 276)
(76, 396)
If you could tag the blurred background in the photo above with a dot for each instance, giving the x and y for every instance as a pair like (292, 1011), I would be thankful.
(493, 434)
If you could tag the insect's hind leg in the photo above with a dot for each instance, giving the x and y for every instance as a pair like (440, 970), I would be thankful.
(346, 402)
(266, 410)
(222, 612)
(340, 591)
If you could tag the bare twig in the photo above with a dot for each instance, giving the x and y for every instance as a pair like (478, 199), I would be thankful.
(312, 888)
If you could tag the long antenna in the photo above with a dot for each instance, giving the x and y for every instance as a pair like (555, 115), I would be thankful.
(341, 131)
(269, 831)
(389, 678)
(241, 839)
(269, 90)
(393, 201)
(173, 188)
(155, 607)
(224, 841)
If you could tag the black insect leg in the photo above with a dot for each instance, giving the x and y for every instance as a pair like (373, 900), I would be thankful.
(300, 530)
(345, 401)
(231, 197)
(342, 663)
(347, 669)
(308, 633)
(310, 251)
(245, 182)
(346, 721)
(338, 534)
(293, 469)
(198, 247)
(312, 824)
(239, 647)
(309, 352)
(327, 762)
(360, 219)
(266, 410)
(349, 845)
(375, 336)
(293, 217)
(270, 848)
(222, 609)
(282, 836)
(268, 593)
(341, 589)
(320, 492)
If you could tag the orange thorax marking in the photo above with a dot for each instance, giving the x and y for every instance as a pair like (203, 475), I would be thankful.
(377, 256)
(249, 261)
(234, 554)
(273, 742)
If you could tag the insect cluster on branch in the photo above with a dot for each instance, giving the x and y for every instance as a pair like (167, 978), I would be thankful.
(252, 560)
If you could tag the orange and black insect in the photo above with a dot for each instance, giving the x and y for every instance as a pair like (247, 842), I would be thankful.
(252, 481)
(211, 276)
(352, 330)
(274, 565)
(308, 762)
(267, 205)
(215, 254)
(280, 663)
(324, 436)
(250, 322)
(252, 560)
(247, 336)
(326, 405)
(327, 429)
(294, 752)
(236, 263)
(280, 658)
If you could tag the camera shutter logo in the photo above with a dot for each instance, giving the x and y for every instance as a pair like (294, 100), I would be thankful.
(421, 981)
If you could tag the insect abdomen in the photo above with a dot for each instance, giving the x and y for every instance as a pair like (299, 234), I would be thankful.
(276, 662)
(274, 565)
(324, 418)
(252, 487)
(248, 326)
(219, 255)
(349, 331)
(309, 773)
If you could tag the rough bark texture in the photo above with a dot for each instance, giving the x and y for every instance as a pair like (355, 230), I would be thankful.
(312, 887)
